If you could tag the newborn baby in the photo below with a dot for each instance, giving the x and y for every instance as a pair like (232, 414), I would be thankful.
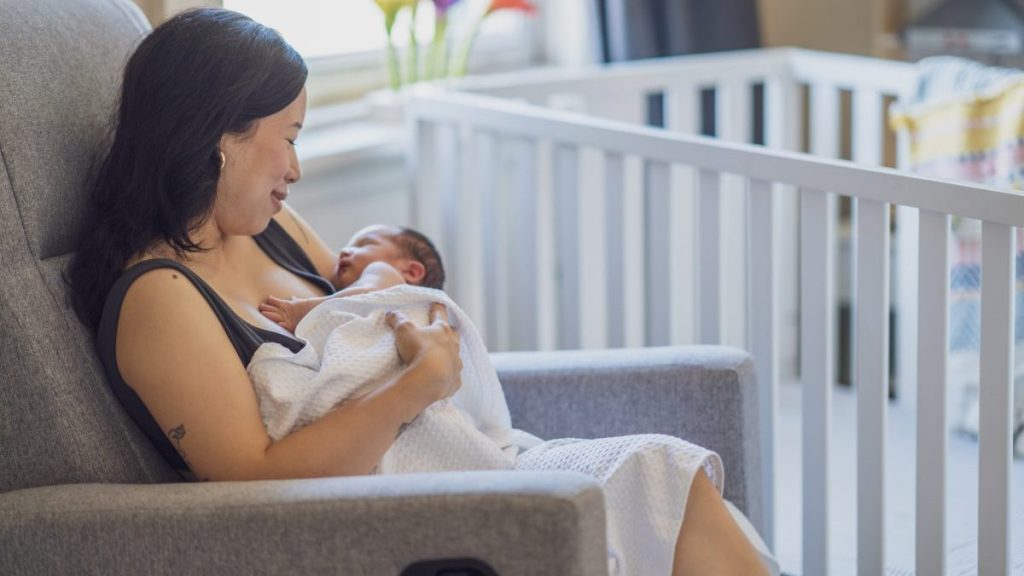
(350, 349)
(377, 257)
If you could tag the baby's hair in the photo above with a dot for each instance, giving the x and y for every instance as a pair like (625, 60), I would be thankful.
(420, 248)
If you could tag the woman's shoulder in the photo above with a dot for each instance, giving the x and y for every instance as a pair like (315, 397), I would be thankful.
(164, 320)
(143, 285)
(157, 294)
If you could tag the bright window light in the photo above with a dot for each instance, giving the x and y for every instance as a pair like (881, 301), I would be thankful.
(318, 28)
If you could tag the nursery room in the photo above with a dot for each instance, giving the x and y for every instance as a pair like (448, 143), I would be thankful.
(512, 287)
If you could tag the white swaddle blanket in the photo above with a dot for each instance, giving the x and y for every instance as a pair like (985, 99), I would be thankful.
(350, 348)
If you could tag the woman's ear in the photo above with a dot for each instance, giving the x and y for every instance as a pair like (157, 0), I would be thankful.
(413, 271)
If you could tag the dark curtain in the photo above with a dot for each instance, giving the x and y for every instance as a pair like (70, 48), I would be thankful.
(635, 29)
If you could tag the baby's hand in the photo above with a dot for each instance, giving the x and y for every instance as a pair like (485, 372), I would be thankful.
(288, 313)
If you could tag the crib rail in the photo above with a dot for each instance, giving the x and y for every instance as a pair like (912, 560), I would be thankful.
(741, 96)
(552, 244)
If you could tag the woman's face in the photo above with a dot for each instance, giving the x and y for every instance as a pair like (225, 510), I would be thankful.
(258, 168)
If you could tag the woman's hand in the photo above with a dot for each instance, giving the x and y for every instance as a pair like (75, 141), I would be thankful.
(431, 354)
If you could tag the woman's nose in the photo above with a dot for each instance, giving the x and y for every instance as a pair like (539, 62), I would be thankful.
(294, 171)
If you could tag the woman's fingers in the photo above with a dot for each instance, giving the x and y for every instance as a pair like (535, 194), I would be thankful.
(438, 312)
(396, 319)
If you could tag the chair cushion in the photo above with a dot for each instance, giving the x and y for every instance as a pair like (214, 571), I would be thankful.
(60, 65)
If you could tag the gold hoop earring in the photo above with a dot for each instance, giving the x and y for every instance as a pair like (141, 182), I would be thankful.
(223, 159)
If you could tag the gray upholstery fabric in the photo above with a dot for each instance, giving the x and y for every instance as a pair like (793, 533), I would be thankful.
(54, 110)
(704, 394)
(521, 524)
(60, 65)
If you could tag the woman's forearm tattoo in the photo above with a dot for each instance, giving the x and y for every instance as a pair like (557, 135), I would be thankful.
(176, 434)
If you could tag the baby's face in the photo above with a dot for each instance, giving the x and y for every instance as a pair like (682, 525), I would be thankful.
(371, 244)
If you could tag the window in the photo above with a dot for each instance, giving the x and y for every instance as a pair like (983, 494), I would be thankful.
(346, 38)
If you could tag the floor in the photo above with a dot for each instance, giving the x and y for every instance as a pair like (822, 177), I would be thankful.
(962, 483)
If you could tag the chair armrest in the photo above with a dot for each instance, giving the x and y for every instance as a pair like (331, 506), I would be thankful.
(518, 523)
(704, 394)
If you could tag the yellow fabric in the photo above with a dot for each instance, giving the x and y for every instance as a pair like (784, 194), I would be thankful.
(976, 138)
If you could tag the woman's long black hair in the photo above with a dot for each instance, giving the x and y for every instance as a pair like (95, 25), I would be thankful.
(198, 76)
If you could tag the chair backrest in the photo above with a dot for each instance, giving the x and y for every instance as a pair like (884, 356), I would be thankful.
(60, 72)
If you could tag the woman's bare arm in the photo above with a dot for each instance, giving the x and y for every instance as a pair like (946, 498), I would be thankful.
(174, 353)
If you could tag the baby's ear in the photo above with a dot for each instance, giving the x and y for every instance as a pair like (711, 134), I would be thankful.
(413, 271)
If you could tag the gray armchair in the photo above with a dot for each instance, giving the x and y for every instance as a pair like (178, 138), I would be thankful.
(82, 490)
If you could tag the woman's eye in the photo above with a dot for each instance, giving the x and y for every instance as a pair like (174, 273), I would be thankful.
(290, 141)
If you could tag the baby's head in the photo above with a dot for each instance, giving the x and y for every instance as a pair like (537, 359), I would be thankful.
(408, 251)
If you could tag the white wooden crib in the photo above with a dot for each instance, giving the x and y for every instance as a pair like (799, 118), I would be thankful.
(567, 223)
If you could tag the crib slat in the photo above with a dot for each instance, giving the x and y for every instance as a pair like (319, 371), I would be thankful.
(733, 117)
(633, 247)
(658, 321)
(567, 234)
(614, 242)
(488, 198)
(547, 273)
(449, 173)
(682, 115)
(734, 123)
(477, 161)
(764, 317)
(681, 109)
(425, 165)
(709, 258)
(906, 237)
(824, 142)
(782, 131)
(867, 127)
(520, 247)
(816, 255)
(872, 379)
(682, 254)
(593, 256)
(824, 120)
(933, 356)
(997, 279)
(499, 206)
(781, 114)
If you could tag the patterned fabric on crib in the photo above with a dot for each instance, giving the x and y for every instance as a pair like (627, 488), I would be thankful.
(966, 123)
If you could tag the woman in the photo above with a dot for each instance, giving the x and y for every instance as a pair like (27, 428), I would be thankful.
(190, 233)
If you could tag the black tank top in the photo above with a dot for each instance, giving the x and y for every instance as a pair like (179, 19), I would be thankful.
(245, 337)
